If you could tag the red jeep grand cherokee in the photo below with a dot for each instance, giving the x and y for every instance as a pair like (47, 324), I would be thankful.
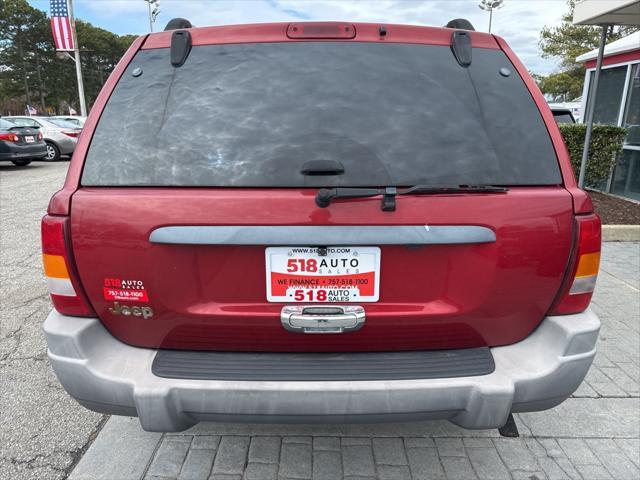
(320, 222)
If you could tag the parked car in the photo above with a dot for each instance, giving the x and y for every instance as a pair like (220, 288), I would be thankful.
(61, 139)
(367, 222)
(575, 106)
(20, 145)
(76, 120)
(562, 115)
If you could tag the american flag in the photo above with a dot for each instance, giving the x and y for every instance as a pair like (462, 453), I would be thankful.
(61, 26)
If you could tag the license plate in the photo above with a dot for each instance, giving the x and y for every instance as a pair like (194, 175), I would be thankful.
(29, 139)
(339, 274)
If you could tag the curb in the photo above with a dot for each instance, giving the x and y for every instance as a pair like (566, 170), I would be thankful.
(621, 233)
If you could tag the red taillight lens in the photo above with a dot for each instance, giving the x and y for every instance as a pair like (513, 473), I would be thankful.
(64, 287)
(580, 282)
(39, 136)
(9, 137)
(72, 134)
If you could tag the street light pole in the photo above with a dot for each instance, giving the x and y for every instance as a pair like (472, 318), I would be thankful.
(154, 11)
(150, 20)
(490, 6)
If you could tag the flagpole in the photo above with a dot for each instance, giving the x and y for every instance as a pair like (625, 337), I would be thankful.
(76, 51)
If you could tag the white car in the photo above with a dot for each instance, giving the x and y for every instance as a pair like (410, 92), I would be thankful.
(574, 105)
(76, 120)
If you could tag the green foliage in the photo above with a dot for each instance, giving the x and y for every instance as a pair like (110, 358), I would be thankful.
(566, 42)
(606, 144)
(30, 70)
(567, 83)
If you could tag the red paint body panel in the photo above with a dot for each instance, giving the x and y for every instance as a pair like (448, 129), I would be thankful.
(214, 297)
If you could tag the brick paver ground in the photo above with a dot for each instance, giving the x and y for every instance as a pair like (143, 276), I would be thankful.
(593, 435)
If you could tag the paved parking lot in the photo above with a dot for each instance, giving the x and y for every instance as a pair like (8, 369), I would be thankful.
(43, 433)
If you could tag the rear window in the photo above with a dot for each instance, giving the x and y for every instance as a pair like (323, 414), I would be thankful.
(250, 115)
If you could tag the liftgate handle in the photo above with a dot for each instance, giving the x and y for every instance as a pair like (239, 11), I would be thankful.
(322, 319)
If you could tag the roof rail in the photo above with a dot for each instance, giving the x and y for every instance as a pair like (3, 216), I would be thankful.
(461, 24)
(176, 23)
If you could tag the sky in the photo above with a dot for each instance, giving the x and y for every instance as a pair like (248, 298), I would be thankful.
(519, 21)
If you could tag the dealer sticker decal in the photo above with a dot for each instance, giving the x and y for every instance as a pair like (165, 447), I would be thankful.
(118, 289)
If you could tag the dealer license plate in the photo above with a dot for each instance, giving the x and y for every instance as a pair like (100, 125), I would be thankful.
(342, 274)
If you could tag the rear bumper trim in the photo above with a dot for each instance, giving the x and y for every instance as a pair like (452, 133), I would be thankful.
(109, 376)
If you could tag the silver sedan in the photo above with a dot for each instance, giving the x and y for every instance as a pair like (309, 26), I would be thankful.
(61, 137)
(76, 120)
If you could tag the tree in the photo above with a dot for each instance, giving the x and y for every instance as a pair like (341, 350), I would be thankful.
(18, 32)
(32, 73)
(566, 42)
(566, 84)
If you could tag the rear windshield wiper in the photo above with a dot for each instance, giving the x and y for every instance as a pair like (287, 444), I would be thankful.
(326, 195)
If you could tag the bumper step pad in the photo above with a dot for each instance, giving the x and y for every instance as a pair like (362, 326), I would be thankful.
(292, 367)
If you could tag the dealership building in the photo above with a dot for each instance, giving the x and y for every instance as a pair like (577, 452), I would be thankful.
(618, 103)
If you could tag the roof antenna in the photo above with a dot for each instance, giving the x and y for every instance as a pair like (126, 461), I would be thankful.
(177, 23)
(460, 24)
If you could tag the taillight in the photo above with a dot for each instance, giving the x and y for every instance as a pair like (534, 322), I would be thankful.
(9, 137)
(580, 282)
(71, 134)
(62, 279)
(39, 136)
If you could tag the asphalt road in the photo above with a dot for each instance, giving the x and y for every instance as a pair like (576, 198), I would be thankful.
(42, 431)
(46, 435)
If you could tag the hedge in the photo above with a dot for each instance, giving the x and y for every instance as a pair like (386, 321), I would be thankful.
(606, 144)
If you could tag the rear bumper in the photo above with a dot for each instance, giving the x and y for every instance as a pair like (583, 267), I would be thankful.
(19, 152)
(65, 144)
(109, 376)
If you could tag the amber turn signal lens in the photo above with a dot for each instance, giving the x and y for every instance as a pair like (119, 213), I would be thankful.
(55, 266)
(588, 264)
